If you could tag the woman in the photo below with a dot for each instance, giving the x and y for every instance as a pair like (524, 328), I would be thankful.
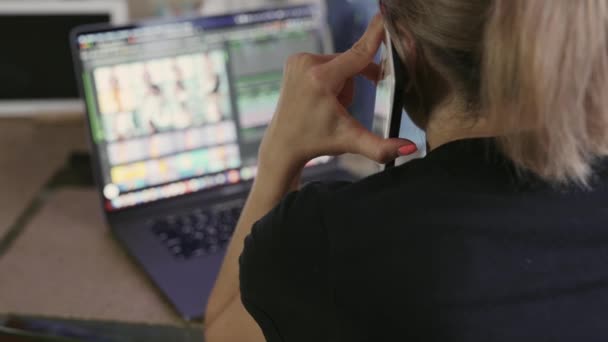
(500, 234)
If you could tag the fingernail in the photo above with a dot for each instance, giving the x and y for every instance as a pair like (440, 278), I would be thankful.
(408, 150)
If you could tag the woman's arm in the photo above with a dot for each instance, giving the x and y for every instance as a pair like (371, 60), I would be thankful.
(311, 121)
(226, 318)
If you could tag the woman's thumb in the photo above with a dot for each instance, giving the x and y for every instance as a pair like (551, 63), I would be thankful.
(382, 150)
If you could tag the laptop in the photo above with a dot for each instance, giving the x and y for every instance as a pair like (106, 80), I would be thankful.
(176, 112)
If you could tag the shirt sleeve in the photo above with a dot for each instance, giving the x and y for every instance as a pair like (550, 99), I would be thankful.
(284, 269)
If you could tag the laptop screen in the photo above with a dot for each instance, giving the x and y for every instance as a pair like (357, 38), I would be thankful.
(181, 107)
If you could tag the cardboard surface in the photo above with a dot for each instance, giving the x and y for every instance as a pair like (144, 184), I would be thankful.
(30, 153)
(67, 264)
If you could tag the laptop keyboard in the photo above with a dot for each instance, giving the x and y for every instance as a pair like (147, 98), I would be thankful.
(198, 233)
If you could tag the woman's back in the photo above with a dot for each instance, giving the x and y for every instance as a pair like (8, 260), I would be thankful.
(454, 247)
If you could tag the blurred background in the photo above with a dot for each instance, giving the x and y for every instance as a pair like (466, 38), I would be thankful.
(63, 276)
(36, 72)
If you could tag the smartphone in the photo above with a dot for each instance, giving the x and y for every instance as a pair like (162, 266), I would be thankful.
(390, 119)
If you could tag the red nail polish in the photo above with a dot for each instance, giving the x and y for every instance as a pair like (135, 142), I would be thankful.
(408, 150)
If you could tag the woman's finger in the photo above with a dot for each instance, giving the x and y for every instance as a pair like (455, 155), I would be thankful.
(372, 72)
(359, 140)
(383, 150)
(359, 57)
(347, 95)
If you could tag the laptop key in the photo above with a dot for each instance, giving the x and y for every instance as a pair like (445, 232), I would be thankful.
(173, 242)
(200, 226)
(226, 228)
(184, 221)
(187, 229)
(211, 231)
(212, 240)
(213, 249)
(201, 217)
(225, 237)
(198, 233)
(171, 220)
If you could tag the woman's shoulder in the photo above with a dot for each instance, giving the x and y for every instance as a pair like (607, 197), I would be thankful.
(309, 215)
(284, 267)
(297, 218)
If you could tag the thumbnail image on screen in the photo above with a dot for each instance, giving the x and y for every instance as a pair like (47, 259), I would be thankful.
(145, 98)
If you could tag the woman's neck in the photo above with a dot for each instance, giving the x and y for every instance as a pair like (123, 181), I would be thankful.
(451, 122)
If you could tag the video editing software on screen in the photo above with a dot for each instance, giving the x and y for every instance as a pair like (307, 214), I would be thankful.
(182, 107)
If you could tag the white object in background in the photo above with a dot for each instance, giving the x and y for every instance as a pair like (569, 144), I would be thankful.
(219, 7)
(116, 10)
(215, 7)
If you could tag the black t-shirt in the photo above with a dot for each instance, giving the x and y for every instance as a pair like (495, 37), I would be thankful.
(455, 247)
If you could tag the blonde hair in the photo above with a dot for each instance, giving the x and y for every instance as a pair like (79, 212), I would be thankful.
(540, 66)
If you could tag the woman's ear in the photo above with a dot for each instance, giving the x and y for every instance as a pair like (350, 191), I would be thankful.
(406, 46)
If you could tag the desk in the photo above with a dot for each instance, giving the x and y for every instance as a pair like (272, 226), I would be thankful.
(66, 263)
(30, 153)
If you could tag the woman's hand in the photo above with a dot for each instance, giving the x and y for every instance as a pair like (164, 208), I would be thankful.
(312, 120)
